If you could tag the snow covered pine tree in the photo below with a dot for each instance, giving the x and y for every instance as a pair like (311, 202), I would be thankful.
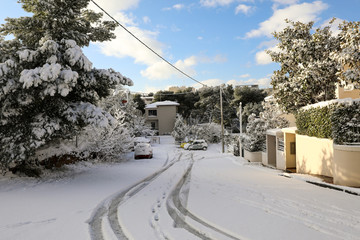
(48, 88)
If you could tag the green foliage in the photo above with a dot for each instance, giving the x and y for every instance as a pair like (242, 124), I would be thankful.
(251, 108)
(345, 121)
(186, 98)
(340, 122)
(315, 122)
(246, 95)
(208, 107)
(140, 103)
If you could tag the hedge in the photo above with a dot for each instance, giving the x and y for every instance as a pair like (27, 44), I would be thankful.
(339, 121)
(345, 121)
(315, 122)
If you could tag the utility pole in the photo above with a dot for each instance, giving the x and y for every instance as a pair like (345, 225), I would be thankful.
(240, 119)
(222, 121)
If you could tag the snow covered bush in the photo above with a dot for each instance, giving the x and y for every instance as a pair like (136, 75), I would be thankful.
(345, 120)
(181, 129)
(211, 132)
(48, 87)
(255, 138)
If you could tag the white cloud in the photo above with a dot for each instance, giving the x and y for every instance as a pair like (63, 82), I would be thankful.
(285, 2)
(262, 82)
(334, 27)
(114, 6)
(160, 70)
(152, 89)
(232, 82)
(243, 9)
(209, 82)
(262, 58)
(304, 12)
(244, 75)
(176, 7)
(125, 45)
(215, 3)
(200, 38)
(146, 19)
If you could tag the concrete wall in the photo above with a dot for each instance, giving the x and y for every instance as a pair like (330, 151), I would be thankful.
(347, 165)
(264, 158)
(271, 150)
(253, 156)
(166, 117)
(280, 160)
(314, 155)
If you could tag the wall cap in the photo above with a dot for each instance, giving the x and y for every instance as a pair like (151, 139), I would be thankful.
(349, 148)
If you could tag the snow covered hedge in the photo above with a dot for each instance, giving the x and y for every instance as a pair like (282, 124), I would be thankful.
(345, 121)
(337, 120)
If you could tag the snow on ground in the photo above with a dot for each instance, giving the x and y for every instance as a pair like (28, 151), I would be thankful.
(178, 194)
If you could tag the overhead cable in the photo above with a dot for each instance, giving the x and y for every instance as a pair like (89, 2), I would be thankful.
(162, 58)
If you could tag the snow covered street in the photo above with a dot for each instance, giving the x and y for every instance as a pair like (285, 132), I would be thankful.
(178, 194)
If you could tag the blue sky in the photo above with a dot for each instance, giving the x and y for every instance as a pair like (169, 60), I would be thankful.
(214, 41)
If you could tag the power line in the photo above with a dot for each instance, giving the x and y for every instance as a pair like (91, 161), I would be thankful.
(162, 58)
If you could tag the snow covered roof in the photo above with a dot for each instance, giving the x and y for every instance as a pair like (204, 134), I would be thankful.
(163, 103)
(141, 139)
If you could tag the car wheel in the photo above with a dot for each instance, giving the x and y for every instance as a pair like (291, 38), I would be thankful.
(204, 148)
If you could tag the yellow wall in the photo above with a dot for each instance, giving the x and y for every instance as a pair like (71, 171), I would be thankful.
(347, 165)
(290, 158)
(341, 93)
(314, 155)
(166, 116)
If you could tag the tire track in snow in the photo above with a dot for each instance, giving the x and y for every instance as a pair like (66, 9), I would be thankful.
(178, 212)
(109, 207)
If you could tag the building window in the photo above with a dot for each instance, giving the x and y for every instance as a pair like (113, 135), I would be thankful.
(153, 125)
(152, 112)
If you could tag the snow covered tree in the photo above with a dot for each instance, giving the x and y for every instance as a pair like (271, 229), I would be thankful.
(208, 107)
(181, 129)
(307, 74)
(348, 53)
(270, 118)
(48, 88)
(139, 102)
(111, 141)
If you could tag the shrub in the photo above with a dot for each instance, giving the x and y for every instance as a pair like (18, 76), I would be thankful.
(338, 121)
(345, 121)
(315, 122)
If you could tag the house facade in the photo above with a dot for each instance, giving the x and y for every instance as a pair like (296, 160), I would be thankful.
(161, 116)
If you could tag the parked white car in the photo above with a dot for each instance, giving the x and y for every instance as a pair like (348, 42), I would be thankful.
(199, 144)
(143, 150)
